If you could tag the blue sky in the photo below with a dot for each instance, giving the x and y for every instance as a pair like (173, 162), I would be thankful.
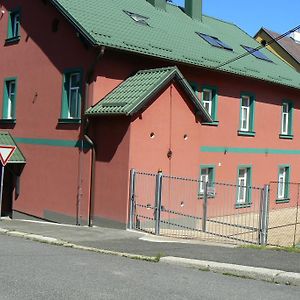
(277, 15)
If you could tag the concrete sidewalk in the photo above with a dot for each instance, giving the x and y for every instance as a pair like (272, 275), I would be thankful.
(191, 253)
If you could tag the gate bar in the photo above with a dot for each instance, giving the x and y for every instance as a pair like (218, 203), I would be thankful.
(131, 223)
(264, 216)
(158, 194)
(204, 207)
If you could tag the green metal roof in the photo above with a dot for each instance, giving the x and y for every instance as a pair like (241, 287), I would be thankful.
(171, 36)
(135, 92)
(7, 140)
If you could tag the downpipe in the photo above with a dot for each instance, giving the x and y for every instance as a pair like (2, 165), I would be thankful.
(92, 183)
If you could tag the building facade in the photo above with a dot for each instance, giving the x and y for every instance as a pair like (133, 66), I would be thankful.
(71, 105)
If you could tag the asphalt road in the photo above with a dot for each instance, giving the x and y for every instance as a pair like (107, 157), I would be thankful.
(31, 270)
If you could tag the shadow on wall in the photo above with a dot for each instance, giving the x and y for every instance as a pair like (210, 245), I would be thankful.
(109, 133)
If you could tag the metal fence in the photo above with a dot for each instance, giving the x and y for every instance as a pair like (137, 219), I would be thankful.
(188, 208)
(284, 214)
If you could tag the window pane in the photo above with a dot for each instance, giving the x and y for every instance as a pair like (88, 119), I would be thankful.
(257, 53)
(73, 103)
(15, 22)
(75, 80)
(284, 128)
(242, 186)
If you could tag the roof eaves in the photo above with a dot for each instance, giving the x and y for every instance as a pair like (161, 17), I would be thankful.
(197, 102)
(69, 17)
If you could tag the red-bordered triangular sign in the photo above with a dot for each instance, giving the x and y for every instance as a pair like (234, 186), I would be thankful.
(5, 153)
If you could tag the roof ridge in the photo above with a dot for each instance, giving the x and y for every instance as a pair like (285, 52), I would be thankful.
(156, 69)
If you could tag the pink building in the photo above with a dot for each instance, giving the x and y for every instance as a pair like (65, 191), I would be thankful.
(92, 89)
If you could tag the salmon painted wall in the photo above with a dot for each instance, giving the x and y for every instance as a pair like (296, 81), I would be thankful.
(150, 154)
(51, 179)
(111, 135)
(267, 122)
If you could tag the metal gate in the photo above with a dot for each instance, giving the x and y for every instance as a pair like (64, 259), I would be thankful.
(284, 214)
(188, 208)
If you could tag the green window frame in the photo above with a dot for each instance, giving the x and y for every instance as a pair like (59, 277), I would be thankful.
(287, 116)
(9, 100)
(71, 96)
(207, 174)
(14, 26)
(247, 114)
(244, 186)
(283, 186)
(209, 98)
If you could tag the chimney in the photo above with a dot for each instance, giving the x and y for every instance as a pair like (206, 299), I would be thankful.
(193, 8)
(160, 4)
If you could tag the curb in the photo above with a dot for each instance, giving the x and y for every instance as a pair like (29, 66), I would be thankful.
(264, 274)
(57, 242)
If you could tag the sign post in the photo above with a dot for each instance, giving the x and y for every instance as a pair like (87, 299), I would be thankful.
(5, 154)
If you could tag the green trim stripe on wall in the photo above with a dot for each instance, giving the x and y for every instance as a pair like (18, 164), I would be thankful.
(242, 150)
(53, 142)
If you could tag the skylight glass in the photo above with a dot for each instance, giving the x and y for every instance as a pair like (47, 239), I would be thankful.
(214, 41)
(256, 53)
(137, 18)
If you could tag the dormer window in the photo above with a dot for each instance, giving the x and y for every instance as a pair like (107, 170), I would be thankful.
(214, 41)
(137, 18)
(257, 53)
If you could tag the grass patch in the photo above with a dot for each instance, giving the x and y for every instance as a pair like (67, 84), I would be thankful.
(286, 249)
(158, 256)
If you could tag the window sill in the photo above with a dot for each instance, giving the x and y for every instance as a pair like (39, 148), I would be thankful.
(246, 133)
(213, 123)
(242, 205)
(284, 200)
(7, 121)
(201, 196)
(12, 40)
(286, 136)
(69, 121)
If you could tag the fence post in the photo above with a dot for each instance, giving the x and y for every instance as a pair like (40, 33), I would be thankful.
(204, 217)
(264, 216)
(131, 224)
(158, 194)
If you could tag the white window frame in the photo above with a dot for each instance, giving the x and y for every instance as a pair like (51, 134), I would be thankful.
(242, 185)
(208, 103)
(73, 89)
(204, 178)
(281, 193)
(11, 95)
(245, 113)
(285, 119)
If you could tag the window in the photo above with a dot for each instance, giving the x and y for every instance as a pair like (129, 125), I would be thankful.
(214, 41)
(9, 100)
(247, 115)
(71, 97)
(244, 190)
(13, 33)
(137, 18)
(287, 120)
(207, 175)
(210, 101)
(257, 53)
(283, 183)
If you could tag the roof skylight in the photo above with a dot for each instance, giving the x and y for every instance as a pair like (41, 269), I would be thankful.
(214, 41)
(137, 18)
(256, 53)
